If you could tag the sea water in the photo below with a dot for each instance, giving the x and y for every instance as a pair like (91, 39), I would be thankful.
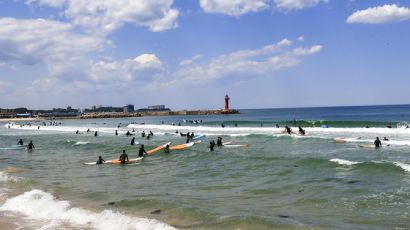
(279, 181)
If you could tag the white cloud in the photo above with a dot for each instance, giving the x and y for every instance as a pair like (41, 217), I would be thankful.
(145, 67)
(31, 41)
(301, 38)
(258, 62)
(105, 16)
(233, 7)
(297, 4)
(189, 61)
(303, 51)
(380, 15)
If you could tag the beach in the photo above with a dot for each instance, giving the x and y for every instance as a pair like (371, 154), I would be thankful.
(278, 181)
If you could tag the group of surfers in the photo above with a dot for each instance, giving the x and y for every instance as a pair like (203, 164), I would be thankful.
(30, 145)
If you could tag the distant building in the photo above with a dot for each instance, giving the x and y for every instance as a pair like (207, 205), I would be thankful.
(68, 108)
(93, 107)
(156, 107)
(128, 108)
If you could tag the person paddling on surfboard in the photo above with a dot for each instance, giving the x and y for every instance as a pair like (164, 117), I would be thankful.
(288, 130)
(377, 143)
(166, 149)
(100, 160)
(142, 151)
(123, 157)
(301, 131)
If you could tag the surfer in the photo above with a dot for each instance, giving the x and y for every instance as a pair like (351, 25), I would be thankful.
(133, 141)
(188, 138)
(192, 135)
(236, 124)
(123, 156)
(389, 126)
(20, 142)
(377, 142)
(166, 149)
(77, 132)
(88, 130)
(95, 134)
(288, 130)
(151, 133)
(116, 132)
(277, 126)
(302, 131)
(141, 151)
(385, 139)
(148, 136)
(222, 125)
(100, 160)
(30, 146)
(143, 133)
(366, 126)
(219, 142)
(211, 145)
(128, 133)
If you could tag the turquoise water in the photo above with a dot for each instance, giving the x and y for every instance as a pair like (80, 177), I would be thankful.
(278, 181)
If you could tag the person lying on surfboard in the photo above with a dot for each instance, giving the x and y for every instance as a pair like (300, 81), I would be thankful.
(166, 149)
(100, 160)
(377, 143)
(288, 130)
(301, 131)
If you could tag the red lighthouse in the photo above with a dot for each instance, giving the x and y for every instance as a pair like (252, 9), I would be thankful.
(227, 102)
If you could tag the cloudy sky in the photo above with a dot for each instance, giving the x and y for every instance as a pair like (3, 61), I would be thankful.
(187, 54)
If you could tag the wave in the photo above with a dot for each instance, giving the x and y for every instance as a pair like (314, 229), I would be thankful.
(40, 205)
(81, 142)
(405, 167)
(344, 162)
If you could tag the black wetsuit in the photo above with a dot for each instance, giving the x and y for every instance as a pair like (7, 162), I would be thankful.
(377, 143)
(30, 145)
(133, 141)
(143, 134)
(166, 149)
(288, 130)
(20, 142)
(123, 157)
(219, 142)
(212, 145)
(100, 161)
(302, 131)
(141, 152)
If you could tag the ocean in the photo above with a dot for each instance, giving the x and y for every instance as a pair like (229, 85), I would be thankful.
(279, 181)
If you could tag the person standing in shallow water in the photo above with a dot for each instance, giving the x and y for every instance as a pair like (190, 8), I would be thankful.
(30, 146)
(123, 157)
(211, 146)
(377, 143)
(133, 141)
(142, 151)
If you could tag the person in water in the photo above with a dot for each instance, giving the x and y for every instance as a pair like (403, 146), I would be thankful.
(133, 141)
(88, 130)
(116, 132)
(148, 136)
(100, 160)
(77, 132)
(142, 151)
(143, 134)
(20, 142)
(30, 146)
(123, 157)
(166, 149)
(222, 125)
(377, 143)
(211, 145)
(288, 130)
(151, 133)
(302, 131)
(277, 126)
(128, 133)
(219, 142)
(385, 139)
(95, 134)
(188, 138)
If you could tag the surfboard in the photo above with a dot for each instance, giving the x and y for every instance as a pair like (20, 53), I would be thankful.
(117, 161)
(14, 148)
(366, 146)
(184, 146)
(136, 143)
(158, 148)
(306, 133)
(234, 146)
(338, 140)
(283, 131)
(198, 136)
(227, 143)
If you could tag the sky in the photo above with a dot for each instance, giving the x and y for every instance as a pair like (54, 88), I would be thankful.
(187, 54)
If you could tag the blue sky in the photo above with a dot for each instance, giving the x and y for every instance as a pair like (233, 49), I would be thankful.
(187, 54)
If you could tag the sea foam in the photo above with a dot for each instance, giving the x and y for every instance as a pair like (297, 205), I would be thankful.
(40, 205)
(344, 162)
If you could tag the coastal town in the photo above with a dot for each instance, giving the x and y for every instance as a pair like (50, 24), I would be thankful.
(99, 111)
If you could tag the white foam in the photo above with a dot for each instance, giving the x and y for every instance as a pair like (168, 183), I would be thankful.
(40, 205)
(4, 177)
(81, 142)
(344, 162)
(405, 167)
